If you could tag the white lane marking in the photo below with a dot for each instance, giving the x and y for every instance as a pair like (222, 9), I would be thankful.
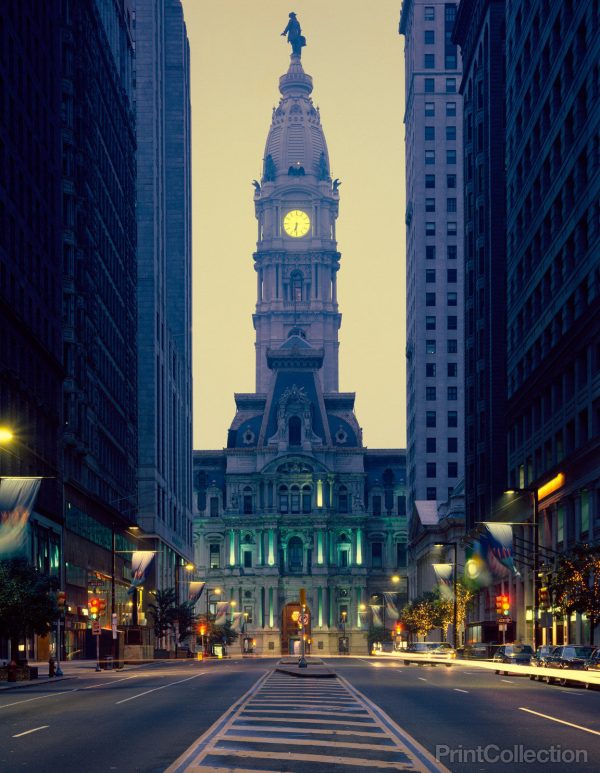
(422, 678)
(33, 730)
(456, 689)
(107, 684)
(508, 681)
(154, 689)
(39, 698)
(562, 721)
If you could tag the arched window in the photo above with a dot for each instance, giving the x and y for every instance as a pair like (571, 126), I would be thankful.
(343, 499)
(306, 499)
(295, 431)
(295, 550)
(296, 282)
(295, 499)
(284, 506)
(247, 500)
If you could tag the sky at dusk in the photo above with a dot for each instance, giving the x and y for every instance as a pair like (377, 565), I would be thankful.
(355, 56)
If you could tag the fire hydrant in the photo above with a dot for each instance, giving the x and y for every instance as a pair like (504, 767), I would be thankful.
(51, 667)
(12, 671)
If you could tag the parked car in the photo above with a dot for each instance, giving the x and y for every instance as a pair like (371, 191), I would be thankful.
(592, 664)
(540, 658)
(480, 651)
(433, 649)
(515, 654)
(568, 656)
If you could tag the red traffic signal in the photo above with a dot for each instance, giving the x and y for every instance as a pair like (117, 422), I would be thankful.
(101, 606)
(61, 600)
(93, 606)
(398, 628)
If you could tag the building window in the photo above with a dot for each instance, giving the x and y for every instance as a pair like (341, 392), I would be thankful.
(452, 346)
(376, 555)
(429, 61)
(283, 499)
(451, 180)
(452, 393)
(248, 559)
(451, 276)
(248, 615)
(400, 554)
(430, 157)
(430, 275)
(450, 109)
(429, 323)
(452, 369)
(451, 251)
(430, 393)
(247, 500)
(429, 13)
(451, 205)
(453, 418)
(450, 132)
(431, 469)
(214, 507)
(429, 85)
(452, 299)
(453, 469)
(295, 550)
(430, 369)
(429, 37)
(451, 228)
(430, 228)
(295, 431)
(295, 499)
(430, 181)
(306, 499)
(429, 133)
(430, 252)
(451, 156)
(450, 85)
(214, 556)
(376, 503)
(343, 499)
(429, 205)
(452, 445)
(451, 62)
(401, 500)
(452, 323)
(429, 299)
(429, 109)
(430, 346)
(430, 444)
(430, 419)
(431, 493)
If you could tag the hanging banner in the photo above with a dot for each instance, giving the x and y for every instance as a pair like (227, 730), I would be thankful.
(140, 561)
(221, 614)
(237, 621)
(391, 610)
(477, 573)
(444, 575)
(377, 621)
(500, 549)
(17, 499)
(195, 591)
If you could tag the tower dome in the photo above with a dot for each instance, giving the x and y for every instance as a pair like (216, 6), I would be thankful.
(295, 144)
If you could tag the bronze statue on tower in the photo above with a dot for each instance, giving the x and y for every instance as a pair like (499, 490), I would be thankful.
(294, 35)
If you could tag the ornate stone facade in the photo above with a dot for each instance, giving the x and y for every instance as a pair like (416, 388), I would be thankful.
(295, 500)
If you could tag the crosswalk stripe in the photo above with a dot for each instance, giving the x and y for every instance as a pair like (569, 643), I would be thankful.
(360, 761)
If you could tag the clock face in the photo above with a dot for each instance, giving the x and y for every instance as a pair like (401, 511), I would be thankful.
(296, 223)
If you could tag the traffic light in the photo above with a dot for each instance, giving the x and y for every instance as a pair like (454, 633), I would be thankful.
(202, 629)
(505, 606)
(93, 606)
(499, 605)
(101, 606)
(398, 629)
(544, 597)
(61, 601)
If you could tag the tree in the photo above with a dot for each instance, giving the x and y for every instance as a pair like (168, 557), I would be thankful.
(221, 634)
(185, 618)
(575, 585)
(444, 607)
(421, 615)
(162, 613)
(27, 601)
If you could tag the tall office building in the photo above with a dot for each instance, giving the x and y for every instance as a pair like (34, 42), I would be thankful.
(479, 32)
(295, 500)
(162, 99)
(31, 265)
(553, 273)
(434, 251)
(99, 302)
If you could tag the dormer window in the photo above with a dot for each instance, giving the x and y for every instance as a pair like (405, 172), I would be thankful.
(295, 431)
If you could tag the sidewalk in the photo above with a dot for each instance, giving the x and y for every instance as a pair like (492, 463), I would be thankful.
(72, 669)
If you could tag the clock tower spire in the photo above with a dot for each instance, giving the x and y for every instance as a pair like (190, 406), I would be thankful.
(296, 260)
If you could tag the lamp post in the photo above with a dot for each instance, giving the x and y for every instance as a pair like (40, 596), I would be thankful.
(454, 547)
(217, 592)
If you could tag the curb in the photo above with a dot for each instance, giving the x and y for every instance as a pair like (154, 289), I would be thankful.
(34, 682)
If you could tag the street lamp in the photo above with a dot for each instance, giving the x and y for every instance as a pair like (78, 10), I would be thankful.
(455, 602)
(217, 592)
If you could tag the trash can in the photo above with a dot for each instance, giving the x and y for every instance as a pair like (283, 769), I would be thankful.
(108, 663)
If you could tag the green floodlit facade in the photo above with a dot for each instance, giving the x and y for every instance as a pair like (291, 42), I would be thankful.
(295, 500)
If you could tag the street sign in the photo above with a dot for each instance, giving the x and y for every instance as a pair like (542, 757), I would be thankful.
(504, 620)
(95, 627)
(502, 628)
(114, 624)
(304, 619)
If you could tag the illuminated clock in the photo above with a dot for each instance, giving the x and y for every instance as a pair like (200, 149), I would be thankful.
(296, 223)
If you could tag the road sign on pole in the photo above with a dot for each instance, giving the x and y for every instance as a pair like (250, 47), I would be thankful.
(95, 627)
(114, 625)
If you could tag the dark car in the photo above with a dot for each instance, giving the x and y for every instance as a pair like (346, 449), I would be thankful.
(592, 664)
(515, 654)
(568, 656)
(540, 658)
(480, 651)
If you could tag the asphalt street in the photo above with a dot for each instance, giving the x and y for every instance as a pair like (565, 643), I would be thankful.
(145, 719)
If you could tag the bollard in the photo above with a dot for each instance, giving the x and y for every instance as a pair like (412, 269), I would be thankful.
(51, 667)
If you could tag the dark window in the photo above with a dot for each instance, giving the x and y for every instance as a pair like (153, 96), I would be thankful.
(452, 393)
(343, 499)
(452, 299)
(450, 109)
(451, 228)
(430, 181)
(429, 205)
(295, 554)
(430, 252)
(430, 445)
(431, 492)
(215, 556)
(430, 132)
(430, 157)
(429, 13)
(451, 204)
(450, 132)
(430, 369)
(430, 346)
(247, 558)
(429, 85)
(452, 323)
(431, 469)
(430, 419)
(295, 431)
(429, 299)
(214, 507)
(377, 505)
(452, 346)
(450, 156)
(400, 554)
(451, 251)
(451, 276)
(452, 369)
(247, 504)
(452, 445)
(429, 37)
(429, 109)
(451, 85)
(453, 469)
(401, 505)
(453, 418)
(283, 500)
(306, 499)
(429, 61)
(451, 181)
(430, 275)
(430, 393)
(295, 499)
(376, 555)
(429, 323)
(430, 228)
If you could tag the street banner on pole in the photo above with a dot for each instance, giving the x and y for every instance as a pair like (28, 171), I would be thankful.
(443, 572)
(17, 499)
(195, 591)
(140, 561)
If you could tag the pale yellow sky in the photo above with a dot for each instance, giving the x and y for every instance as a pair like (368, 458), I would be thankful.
(355, 56)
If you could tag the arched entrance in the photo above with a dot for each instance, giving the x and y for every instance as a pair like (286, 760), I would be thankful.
(291, 629)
